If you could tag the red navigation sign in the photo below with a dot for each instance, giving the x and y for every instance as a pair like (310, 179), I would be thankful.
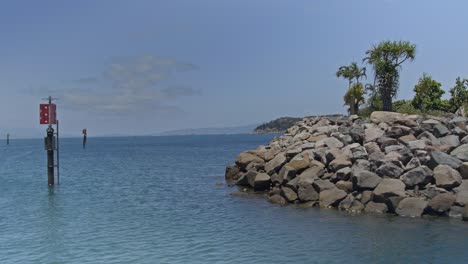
(47, 114)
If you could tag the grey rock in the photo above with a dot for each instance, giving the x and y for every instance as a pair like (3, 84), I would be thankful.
(372, 134)
(245, 158)
(275, 164)
(411, 207)
(446, 177)
(464, 140)
(346, 186)
(461, 152)
(232, 172)
(372, 147)
(412, 164)
(289, 194)
(351, 204)
(260, 182)
(386, 117)
(442, 202)
(361, 164)
(365, 180)
(441, 158)
(307, 193)
(418, 176)
(277, 179)
(388, 188)
(464, 170)
(407, 138)
(417, 144)
(367, 196)
(287, 173)
(389, 170)
(456, 211)
(372, 207)
(311, 174)
(322, 185)
(465, 214)
(244, 180)
(343, 174)
(450, 140)
(461, 197)
(330, 142)
(440, 130)
(359, 153)
(331, 197)
(432, 191)
(338, 164)
(277, 199)
(386, 141)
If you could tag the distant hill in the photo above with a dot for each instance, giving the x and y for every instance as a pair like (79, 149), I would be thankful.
(277, 126)
(210, 131)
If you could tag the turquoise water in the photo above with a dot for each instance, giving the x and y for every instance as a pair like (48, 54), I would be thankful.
(155, 200)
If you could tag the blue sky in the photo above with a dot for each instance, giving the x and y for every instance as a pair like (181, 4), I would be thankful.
(141, 67)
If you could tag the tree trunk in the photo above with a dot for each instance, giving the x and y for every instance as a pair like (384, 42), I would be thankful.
(387, 102)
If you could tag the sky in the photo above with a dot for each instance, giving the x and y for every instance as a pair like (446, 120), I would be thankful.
(142, 67)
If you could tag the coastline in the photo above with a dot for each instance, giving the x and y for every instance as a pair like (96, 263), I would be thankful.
(407, 165)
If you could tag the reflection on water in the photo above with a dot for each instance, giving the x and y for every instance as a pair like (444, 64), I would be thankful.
(155, 200)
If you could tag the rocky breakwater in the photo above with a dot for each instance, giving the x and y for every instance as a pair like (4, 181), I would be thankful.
(407, 165)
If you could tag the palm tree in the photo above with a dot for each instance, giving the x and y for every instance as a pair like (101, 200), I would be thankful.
(354, 95)
(386, 58)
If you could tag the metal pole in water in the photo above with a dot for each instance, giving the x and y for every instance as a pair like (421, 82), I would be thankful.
(8, 139)
(50, 155)
(84, 138)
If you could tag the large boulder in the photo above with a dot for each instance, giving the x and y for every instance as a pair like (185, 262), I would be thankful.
(461, 152)
(411, 207)
(307, 193)
(322, 185)
(287, 173)
(441, 203)
(388, 188)
(351, 204)
(386, 117)
(446, 177)
(419, 176)
(245, 158)
(231, 173)
(259, 181)
(275, 164)
(277, 199)
(441, 158)
(330, 142)
(379, 208)
(450, 141)
(372, 134)
(440, 130)
(365, 180)
(289, 194)
(464, 170)
(331, 197)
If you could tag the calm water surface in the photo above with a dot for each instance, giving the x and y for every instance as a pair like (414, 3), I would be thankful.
(155, 200)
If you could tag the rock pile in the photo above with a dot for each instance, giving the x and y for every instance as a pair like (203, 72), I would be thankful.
(407, 165)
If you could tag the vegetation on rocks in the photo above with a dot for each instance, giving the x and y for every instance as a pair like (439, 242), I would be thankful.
(408, 165)
(277, 125)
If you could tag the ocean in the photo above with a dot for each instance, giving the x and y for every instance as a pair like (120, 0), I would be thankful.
(160, 200)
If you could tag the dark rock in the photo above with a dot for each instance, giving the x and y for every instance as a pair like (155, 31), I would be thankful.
(232, 172)
(389, 170)
(365, 180)
(260, 182)
(331, 197)
(386, 141)
(392, 203)
(360, 164)
(379, 208)
(359, 153)
(338, 164)
(442, 202)
(465, 214)
(412, 164)
(411, 207)
(446, 177)
(440, 130)
(277, 179)
(343, 174)
(441, 158)
(419, 176)
(244, 180)
(287, 173)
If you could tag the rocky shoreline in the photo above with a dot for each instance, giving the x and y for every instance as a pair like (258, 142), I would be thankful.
(406, 165)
